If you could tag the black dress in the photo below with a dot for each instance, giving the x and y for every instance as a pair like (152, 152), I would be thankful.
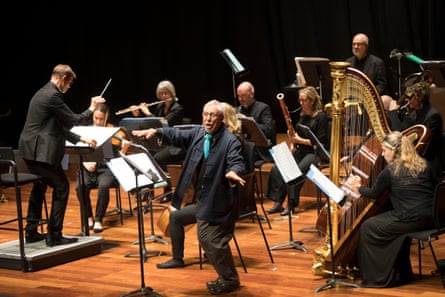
(384, 248)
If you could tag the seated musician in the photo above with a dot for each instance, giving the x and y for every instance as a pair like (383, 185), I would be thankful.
(260, 112)
(416, 109)
(173, 112)
(371, 65)
(384, 248)
(312, 116)
(98, 175)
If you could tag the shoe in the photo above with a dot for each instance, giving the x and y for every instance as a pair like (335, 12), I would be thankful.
(166, 198)
(172, 263)
(90, 223)
(98, 227)
(58, 239)
(285, 212)
(33, 236)
(221, 286)
(275, 208)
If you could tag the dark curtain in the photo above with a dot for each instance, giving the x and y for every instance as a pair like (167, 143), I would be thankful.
(139, 43)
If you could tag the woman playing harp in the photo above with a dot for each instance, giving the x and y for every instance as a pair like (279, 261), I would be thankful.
(384, 248)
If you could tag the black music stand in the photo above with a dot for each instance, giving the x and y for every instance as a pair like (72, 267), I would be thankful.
(290, 171)
(332, 193)
(153, 144)
(149, 177)
(85, 153)
(237, 68)
(438, 70)
(317, 73)
(253, 133)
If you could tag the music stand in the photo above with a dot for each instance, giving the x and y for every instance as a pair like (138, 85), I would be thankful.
(253, 133)
(102, 135)
(316, 72)
(143, 176)
(237, 68)
(289, 170)
(438, 70)
(153, 144)
(335, 194)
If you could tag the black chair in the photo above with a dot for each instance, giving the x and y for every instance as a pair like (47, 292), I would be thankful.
(433, 234)
(16, 178)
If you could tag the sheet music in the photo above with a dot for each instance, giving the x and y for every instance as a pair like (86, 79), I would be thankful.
(285, 162)
(98, 133)
(325, 184)
(126, 176)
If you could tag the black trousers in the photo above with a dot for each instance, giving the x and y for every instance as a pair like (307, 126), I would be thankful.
(101, 179)
(55, 177)
(178, 219)
(215, 238)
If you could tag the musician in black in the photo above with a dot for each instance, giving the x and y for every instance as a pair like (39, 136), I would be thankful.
(384, 248)
(418, 110)
(312, 116)
(371, 65)
(173, 112)
(259, 111)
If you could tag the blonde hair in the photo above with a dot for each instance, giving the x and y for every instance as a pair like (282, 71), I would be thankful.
(231, 121)
(405, 154)
(312, 94)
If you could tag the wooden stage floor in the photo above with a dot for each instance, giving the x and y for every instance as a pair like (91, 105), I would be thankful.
(111, 273)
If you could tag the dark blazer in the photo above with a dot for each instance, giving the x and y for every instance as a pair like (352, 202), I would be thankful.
(174, 115)
(218, 200)
(262, 114)
(48, 125)
(374, 68)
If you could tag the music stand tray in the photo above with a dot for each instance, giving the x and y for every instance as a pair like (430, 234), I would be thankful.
(152, 144)
(253, 133)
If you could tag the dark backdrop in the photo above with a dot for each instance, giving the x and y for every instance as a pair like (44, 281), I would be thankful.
(139, 43)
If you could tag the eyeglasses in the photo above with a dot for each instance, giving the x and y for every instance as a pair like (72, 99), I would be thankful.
(358, 44)
(210, 114)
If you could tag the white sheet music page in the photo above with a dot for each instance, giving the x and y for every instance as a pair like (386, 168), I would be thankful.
(98, 133)
(325, 184)
(285, 162)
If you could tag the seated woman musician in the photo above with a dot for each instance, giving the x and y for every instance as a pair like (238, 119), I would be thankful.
(312, 116)
(384, 248)
(173, 112)
(98, 175)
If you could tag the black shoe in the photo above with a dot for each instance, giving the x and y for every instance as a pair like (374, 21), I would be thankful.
(221, 286)
(275, 208)
(172, 263)
(59, 240)
(33, 236)
(166, 198)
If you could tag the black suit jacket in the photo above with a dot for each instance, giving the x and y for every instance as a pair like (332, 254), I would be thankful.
(48, 125)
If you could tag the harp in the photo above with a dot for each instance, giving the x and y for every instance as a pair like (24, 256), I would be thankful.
(359, 125)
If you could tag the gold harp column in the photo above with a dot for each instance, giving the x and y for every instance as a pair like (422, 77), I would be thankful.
(338, 75)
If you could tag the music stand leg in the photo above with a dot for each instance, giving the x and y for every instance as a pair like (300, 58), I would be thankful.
(332, 282)
(153, 236)
(146, 291)
(291, 243)
(143, 253)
